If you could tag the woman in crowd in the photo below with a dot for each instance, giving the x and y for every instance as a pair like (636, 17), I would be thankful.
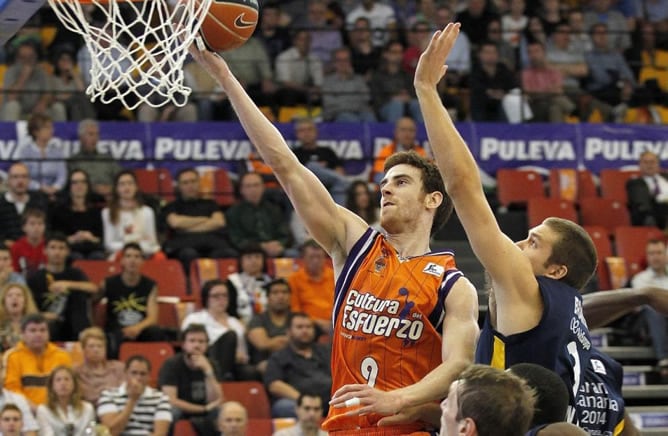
(128, 219)
(227, 335)
(96, 373)
(79, 218)
(15, 302)
(361, 201)
(65, 413)
(44, 156)
(69, 87)
(247, 296)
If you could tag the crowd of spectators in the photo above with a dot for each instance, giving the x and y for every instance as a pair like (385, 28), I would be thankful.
(587, 60)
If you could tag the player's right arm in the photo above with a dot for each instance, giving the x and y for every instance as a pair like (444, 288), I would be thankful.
(514, 283)
(601, 308)
(335, 228)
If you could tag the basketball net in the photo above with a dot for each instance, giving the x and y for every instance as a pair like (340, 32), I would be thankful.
(137, 53)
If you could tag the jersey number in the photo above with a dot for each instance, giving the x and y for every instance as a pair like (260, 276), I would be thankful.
(369, 370)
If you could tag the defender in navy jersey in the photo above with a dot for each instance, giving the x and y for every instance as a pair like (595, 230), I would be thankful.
(535, 311)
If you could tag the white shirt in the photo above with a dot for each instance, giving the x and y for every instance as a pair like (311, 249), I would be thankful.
(54, 424)
(136, 225)
(215, 330)
(649, 277)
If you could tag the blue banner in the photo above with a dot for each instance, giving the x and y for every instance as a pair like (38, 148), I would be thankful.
(537, 146)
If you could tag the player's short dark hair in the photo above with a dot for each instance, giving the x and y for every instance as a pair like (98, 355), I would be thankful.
(431, 182)
(551, 392)
(574, 249)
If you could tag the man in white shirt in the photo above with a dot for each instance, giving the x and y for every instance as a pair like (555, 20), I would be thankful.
(134, 407)
(29, 424)
(648, 194)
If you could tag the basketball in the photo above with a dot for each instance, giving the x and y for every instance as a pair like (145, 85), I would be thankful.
(229, 23)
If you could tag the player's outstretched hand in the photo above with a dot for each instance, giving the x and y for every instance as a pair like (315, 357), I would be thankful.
(210, 61)
(364, 399)
(431, 65)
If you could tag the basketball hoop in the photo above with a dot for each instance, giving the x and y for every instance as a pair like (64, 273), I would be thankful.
(137, 52)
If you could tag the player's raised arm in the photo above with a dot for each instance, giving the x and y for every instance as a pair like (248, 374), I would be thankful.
(335, 228)
(511, 272)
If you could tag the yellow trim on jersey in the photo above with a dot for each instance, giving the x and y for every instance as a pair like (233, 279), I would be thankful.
(498, 354)
(618, 428)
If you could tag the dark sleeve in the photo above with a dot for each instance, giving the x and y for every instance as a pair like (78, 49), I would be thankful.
(332, 159)
(640, 202)
(255, 322)
(96, 224)
(275, 369)
(282, 228)
(164, 213)
(77, 275)
(237, 234)
(168, 375)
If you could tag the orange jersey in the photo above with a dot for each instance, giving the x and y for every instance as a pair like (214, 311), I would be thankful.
(388, 315)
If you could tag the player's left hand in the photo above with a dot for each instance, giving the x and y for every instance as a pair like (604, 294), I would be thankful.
(370, 400)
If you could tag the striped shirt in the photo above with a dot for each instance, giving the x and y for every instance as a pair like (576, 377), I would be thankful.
(152, 406)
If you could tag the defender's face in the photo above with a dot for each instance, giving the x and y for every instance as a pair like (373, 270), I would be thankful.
(537, 247)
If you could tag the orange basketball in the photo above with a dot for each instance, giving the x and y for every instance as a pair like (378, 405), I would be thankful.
(229, 23)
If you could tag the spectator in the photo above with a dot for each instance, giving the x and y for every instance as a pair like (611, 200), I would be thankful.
(380, 16)
(96, 373)
(254, 219)
(233, 419)
(28, 88)
(128, 219)
(514, 22)
(29, 364)
(321, 160)
(533, 33)
(510, 402)
(251, 64)
(11, 421)
(28, 251)
(15, 302)
(648, 58)
(570, 61)
(44, 156)
(418, 37)
(196, 225)
(309, 414)
(346, 95)
(580, 38)
(101, 167)
(648, 194)
(132, 303)
(7, 273)
(16, 200)
(656, 274)
(459, 59)
(602, 12)
(363, 202)
(247, 298)
(610, 78)
(64, 412)
(507, 54)
(303, 365)
(324, 37)
(312, 286)
(549, 14)
(491, 81)
(227, 336)
(62, 292)
(405, 132)
(365, 56)
(544, 87)
(190, 382)
(78, 217)
(135, 407)
(392, 92)
(474, 20)
(267, 330)
(29, 426)
(69, 88)
(299, 73)
(271, 32)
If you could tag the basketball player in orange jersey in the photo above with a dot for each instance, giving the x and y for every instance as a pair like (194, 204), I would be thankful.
(404, 317)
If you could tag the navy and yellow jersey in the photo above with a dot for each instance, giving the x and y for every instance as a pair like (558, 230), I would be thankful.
(561, 343)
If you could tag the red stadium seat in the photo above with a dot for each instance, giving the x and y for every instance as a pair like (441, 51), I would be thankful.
(155, 352)
(631, 243)
(223, 188)
(252, 395)
(183, 427)
(601, 239)
(169, 277)
(604, 212)
(540, 208)
(613, 183)
(260, 427)
(202, 270)
(97, 270)
(156, 182)
(517, 186)
(571, 184)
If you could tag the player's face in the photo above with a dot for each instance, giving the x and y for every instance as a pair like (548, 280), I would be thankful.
(449, 409)
(537, 247)
(402, 198)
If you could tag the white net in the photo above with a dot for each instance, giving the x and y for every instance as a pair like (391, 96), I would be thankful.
(137, 49)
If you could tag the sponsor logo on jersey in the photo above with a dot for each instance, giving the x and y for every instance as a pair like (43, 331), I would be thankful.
(433, 269)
